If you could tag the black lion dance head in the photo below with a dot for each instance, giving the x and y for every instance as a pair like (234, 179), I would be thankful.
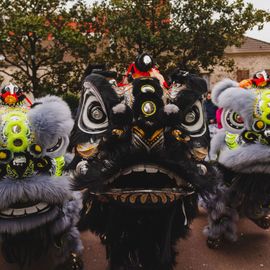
(134, 160)
(38, 211)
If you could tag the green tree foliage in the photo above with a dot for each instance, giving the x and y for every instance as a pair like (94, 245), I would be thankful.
(49, 45)
(192, 34)
(45, 42)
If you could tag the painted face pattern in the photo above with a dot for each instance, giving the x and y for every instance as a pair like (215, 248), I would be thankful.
(147, 128)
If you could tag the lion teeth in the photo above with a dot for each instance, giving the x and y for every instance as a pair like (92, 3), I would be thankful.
(139, 168)
(7, 212)
(17, 212)
(31, 210)
(41, 206)
(151, 170)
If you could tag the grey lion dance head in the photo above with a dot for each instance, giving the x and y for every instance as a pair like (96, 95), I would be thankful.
(242, 151)
(38, 211)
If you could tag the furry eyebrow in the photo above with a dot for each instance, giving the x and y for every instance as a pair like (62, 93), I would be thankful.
(35, 104)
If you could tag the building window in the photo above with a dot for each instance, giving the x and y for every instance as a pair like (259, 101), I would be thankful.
(242, 74)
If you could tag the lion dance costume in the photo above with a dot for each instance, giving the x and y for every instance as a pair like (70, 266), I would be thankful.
(38, 210)
(242, 151)
(135, 162)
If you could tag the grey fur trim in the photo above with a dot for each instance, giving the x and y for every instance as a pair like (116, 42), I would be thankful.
(217, 144)
(71, 210)
(52, 190)
(244, 160)
(51, 120)
(171, 109)
(68, 158)
(220, 87)
(222, 219)
(72, 244)
(119, 108)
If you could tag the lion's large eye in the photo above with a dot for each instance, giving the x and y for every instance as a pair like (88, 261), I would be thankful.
(258, 125)
(56, 146)
(95, 113)
(93, 118)
(232, 121)
(192, 117)
(194, 121)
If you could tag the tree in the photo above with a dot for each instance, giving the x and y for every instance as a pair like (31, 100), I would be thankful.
(45, 42)
(192, 34)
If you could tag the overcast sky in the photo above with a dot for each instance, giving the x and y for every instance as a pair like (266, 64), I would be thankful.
(263, 34)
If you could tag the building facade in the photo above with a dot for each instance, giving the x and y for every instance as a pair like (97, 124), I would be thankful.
(252, 56)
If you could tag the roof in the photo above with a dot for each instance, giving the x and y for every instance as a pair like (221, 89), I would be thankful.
(250, 45)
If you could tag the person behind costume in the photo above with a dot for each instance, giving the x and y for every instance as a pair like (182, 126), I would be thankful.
(210, 109)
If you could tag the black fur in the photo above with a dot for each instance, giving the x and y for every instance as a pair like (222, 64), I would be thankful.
(137, 235)
(108, 96)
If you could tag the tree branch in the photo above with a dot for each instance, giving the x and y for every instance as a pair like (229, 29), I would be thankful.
(10, 74)
(14, 63)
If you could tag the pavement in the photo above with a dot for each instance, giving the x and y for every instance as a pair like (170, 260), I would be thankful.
(250, 252)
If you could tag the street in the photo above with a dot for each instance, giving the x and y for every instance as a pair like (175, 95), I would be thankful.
(251, 252)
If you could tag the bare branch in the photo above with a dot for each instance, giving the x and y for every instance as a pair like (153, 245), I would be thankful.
(10, 74)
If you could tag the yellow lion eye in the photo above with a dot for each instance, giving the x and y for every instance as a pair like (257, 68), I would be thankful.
(38, 148)
(260, 124)
(3, 155)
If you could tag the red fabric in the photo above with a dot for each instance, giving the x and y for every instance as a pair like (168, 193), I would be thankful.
(261, 82)
(218, 117)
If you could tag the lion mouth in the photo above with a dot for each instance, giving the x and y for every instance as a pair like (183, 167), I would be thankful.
(145, 184)
(20, 210)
